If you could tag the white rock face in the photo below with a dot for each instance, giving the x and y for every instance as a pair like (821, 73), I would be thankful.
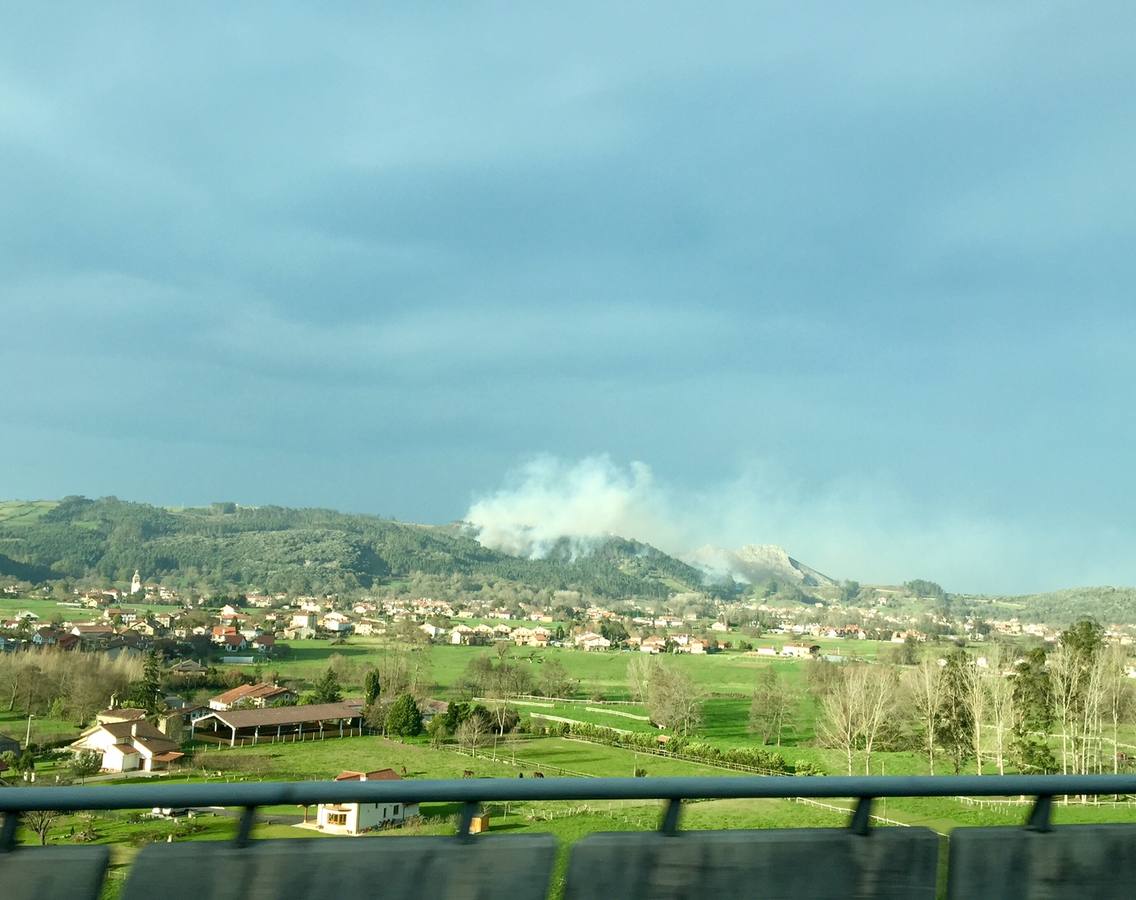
(756, 563)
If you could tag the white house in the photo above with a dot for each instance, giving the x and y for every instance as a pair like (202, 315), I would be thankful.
(125, 746)
(337, 623)
(356, 818)
(460, 634)
(592, 641)
(653, 644)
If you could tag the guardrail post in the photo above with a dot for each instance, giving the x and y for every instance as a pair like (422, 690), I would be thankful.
(465, 819)
(8, 831)
(861, 821)
(244, 827)
(669, 824)
(1039, 815)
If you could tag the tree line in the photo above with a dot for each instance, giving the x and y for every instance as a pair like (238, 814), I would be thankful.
(1042, 711)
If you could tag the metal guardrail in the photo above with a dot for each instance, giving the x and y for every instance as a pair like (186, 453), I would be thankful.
(471, 792)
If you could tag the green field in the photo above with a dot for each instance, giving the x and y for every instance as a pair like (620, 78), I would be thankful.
(47, 608)
(23, 512)
(127, 832)
(44, 729)
(727, 680)
(601, 674)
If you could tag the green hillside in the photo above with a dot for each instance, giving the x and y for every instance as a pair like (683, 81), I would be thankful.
(299, 550)
(1105, 604)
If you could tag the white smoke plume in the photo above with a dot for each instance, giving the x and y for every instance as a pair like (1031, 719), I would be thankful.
(868, 529)
(549, 499)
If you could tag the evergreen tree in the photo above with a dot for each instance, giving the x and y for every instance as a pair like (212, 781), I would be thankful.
(403, 717)
(956, 724)
(147, 691)
(613, 630)
(327, 688)
(1033, 714)
(372, 686)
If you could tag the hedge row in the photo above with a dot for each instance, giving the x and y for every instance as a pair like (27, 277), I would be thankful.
(684, 748)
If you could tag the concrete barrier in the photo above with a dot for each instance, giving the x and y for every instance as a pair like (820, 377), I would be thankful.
(46, 873)
(795, 864)
(1086, 862)
(482, 868)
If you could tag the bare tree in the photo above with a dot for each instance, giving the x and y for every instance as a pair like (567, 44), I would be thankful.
(1095, 678)
(977, 700)
(771, 709)
(925, 684)
(403, 671)
(470, 733)
(840, 714)
(40, 821)
(639, 675)
(1000, 691)
(508, 681)
(877, 686)
(1063, 675)
(673, 700)
(1118, 695)
(856, 710)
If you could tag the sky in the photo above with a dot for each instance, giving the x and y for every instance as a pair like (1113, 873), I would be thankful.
(856, 281)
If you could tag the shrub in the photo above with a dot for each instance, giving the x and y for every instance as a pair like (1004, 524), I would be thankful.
(403, 717)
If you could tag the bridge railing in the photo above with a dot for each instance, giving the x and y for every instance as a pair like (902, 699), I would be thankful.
(856, 860)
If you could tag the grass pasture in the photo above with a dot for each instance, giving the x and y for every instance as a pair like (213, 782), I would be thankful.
(14, 513)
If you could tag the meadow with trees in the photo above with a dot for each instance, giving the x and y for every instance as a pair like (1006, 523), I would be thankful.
(505, 711)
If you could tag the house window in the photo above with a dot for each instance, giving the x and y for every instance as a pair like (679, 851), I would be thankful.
(336, 818)
(395, 810)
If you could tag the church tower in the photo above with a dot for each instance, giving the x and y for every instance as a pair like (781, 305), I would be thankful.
(136, 583)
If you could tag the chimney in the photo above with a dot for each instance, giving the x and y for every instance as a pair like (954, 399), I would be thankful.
(134, 729)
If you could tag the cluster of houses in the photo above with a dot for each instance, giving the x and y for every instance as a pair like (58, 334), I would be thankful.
(125, 630)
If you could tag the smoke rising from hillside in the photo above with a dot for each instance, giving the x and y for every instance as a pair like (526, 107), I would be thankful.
(549, 499)
(862, 528)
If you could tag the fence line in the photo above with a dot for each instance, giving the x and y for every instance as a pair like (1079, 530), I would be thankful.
(844, 809)
(295, 737)
(566, 721)
(1007, 802)
(616, 712)
(577, 700)
(513, 760)
(670, 754)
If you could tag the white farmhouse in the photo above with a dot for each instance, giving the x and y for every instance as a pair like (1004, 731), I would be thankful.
(128, 745)
(356, 818)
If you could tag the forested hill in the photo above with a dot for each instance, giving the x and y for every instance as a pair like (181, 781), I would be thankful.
(225, 547)
(1105, 604)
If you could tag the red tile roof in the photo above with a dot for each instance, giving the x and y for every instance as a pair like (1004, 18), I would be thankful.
(377, 775)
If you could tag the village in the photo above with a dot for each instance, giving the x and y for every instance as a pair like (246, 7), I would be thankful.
(181, 677)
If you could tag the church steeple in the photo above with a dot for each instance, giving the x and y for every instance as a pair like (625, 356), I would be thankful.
(136, 583)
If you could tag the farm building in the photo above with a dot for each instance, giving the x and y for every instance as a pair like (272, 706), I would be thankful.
(281, 723)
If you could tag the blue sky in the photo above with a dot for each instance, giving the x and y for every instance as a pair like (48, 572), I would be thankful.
(859, 283)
